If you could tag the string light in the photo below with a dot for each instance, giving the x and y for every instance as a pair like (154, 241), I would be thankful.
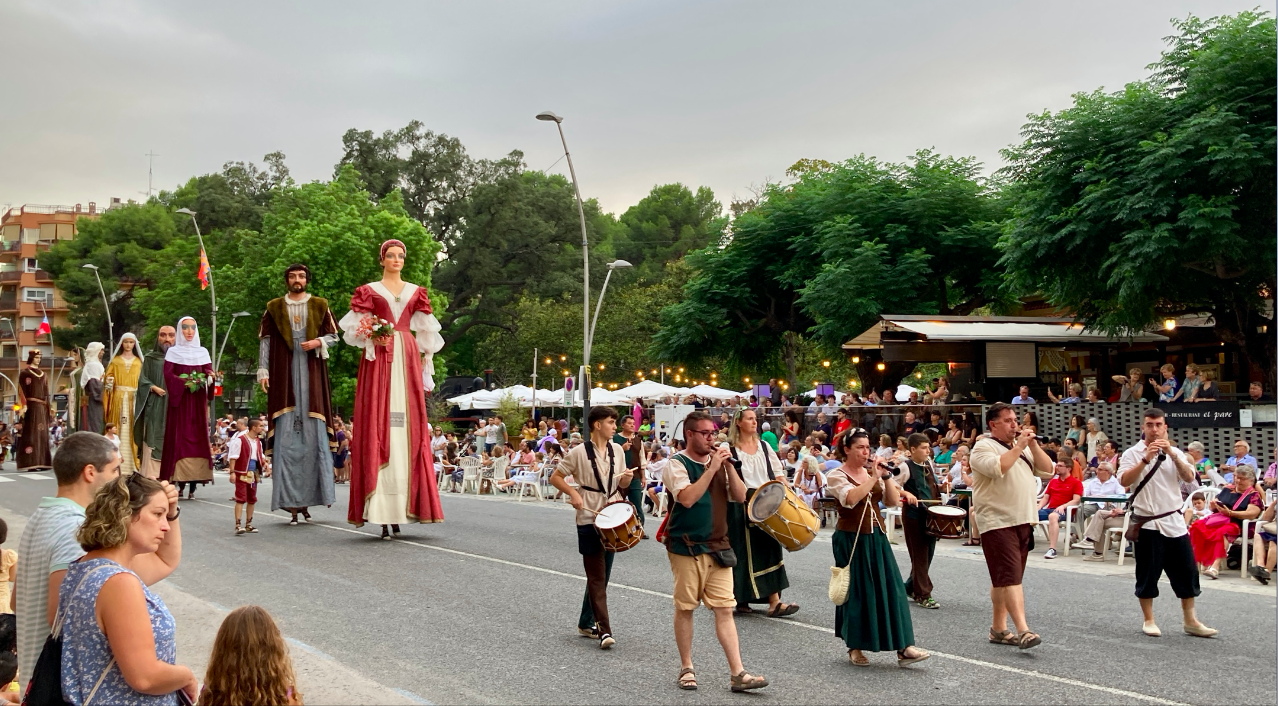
(856, 359)
(881, 367)
(563, 358)
(825, 363)
(547, 360)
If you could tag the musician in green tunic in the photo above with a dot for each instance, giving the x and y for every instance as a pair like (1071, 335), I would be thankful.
(150, 405)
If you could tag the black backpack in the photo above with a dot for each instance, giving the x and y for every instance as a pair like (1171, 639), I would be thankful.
(45, 686)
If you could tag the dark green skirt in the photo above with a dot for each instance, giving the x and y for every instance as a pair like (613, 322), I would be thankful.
(760, 569)
(876, 617)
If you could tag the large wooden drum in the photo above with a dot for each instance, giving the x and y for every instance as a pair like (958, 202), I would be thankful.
(778, 511)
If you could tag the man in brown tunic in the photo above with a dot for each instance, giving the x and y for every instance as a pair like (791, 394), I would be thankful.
(295, 335)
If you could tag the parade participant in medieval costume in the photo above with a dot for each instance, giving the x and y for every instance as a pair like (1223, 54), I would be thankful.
(392, 473)
(636, 461)
(759, 576)
(295, 335)
(875, 616)
(187, 459)
(151, 408)
(247, 467)
(33, 392)
(91, 410)
(121, 395)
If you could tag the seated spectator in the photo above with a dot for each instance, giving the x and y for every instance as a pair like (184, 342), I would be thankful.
(1023, 396)
(1213, 535)
(1076, 424)
(249, 663)
(1100, 516)
(112, 623)
(943, 453)
(791, 462)
(527, 472)
(886, 449)
(1093, 437)
(1204, 470)
(953, 431)
(1108, 454)
(822, 425)
(1063, 491)
(653, 487)
(934, 425)
(1105, 482)
(1242, 456)
(449, 464)
(1207, 390)
(1197, 509)
(1188, 391)
(768, 436)
(1069, 456)
(1271, 476)
(1256, 392)
(1267, 534)
(843, 421)
(958, 461)
(1094, 396)
(911, 425)
(809, 483)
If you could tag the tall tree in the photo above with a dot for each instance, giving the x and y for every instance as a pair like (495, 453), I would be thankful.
(826, 255)
(432, 171)
(665, 225)
(1158, 200)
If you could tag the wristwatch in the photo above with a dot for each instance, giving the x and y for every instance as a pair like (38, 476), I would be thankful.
(175, 515)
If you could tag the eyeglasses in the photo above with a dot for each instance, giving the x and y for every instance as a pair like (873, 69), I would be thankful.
(708, 433)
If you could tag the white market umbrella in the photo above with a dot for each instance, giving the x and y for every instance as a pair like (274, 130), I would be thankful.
(903, 392)
(648, 389)
(716, 393)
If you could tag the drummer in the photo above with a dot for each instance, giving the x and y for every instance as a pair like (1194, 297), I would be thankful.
(876, 617)
(759, 575)
(599, 467)
(918, 492)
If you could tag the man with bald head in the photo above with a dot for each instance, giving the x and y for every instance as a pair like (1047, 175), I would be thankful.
(150, 408)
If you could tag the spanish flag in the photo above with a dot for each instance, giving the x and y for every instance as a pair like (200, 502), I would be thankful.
(204, 270)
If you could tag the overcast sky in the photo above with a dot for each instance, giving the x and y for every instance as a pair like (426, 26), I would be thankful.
(723, 94)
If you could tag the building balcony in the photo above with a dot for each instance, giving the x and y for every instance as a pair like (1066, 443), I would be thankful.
(8, 302)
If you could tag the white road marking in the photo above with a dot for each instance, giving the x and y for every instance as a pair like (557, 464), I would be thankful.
(944, 655)
(35, 476)
(4, 479)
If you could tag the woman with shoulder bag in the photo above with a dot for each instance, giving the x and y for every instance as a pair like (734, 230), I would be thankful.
(119, 640)
(875, 613)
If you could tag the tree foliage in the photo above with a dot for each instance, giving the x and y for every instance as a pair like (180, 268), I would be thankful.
(1156, 200)
(665, 225)
(827, 254)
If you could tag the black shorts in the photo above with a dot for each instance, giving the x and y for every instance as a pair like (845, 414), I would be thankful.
(1156, 554)
(588, 543)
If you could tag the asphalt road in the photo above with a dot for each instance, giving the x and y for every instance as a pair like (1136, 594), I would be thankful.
(483, 609)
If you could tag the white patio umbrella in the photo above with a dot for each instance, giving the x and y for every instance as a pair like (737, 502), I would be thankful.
(715, 393)
(648, 389)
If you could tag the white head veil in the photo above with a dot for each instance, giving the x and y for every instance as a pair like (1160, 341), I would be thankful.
(93, 369)
(119, 346)
(186, 352)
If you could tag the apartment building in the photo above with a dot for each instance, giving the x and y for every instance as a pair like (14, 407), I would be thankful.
(27, 293)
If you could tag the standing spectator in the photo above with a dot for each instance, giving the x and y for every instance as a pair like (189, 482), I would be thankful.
(1207, 390)
(1093, 439)
(790, 428)
(109, 432)
(1076, 429)
(1256, 392)
(48, 546)
(249, 663)
(774, 392)
(1095, 515)
(1063, 491)
(342, 456)
(1168, 387)
(1213, 536)
(1094, 396)
(1133, 385)
(1003, 488)
(842, 422)
(1075, 394)
(1153, 468)
(119, 639)
(1023, 396)
(8, 573)
(769, 437)
(1188, 392)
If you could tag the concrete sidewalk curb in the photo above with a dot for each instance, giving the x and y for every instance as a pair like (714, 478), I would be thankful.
(321, 679)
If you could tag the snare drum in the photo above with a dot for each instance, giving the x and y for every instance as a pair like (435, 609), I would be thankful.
(945, 522)
(618, 526)
(783, 515)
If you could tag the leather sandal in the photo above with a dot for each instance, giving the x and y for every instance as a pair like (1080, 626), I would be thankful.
(859, 661)
(1028, 639)
(919, 656)
(1003, 637)
(783, 609)
(687, 684)
(746, 681)
(743, 609)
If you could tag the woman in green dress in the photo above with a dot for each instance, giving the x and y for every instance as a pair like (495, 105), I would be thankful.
(876, 616)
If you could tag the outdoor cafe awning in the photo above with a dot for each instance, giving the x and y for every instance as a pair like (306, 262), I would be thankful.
(986, 328)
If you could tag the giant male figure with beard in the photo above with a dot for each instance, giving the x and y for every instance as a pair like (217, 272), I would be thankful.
(150, 405)
(296, 332)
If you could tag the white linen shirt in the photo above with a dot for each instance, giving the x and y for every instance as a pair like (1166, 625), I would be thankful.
(1094, 486)
(1161, 494)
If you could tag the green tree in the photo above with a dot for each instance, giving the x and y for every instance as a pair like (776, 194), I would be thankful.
(1158, 200)
(826, 255)
(665, 225)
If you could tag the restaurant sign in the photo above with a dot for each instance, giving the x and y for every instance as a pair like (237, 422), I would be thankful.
(1200, 414)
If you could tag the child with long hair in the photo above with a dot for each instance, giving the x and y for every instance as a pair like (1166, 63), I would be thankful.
(250, 665)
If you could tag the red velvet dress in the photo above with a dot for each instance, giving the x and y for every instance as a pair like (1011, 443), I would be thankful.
(370, 445)
(186, 456)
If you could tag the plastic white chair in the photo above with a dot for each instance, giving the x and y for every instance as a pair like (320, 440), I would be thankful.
(1116, 534)
(889, 522)
(470, 472)
(531, 482)
(492, 474)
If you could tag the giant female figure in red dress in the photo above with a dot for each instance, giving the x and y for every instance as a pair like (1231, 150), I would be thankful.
(392, 472)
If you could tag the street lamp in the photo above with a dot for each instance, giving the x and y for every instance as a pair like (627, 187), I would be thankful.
(218, 363)
(585, 271)
(213, 296)
(614, 265)
(105, 305)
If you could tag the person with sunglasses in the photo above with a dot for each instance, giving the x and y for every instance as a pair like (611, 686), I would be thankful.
(188, 374)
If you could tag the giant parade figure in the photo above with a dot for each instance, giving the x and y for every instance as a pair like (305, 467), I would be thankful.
(188, 374)
(295, 335)
(392, 473)
(122, 376)
(151, 407)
